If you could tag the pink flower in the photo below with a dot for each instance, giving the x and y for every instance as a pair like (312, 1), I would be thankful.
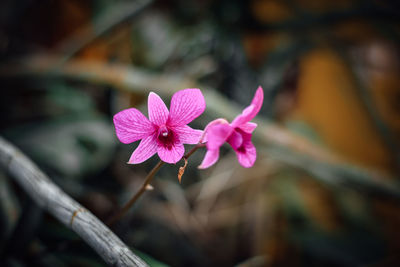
(165, 131)
(238, 134)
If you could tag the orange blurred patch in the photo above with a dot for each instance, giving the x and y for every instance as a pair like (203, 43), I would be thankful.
(320, 204)
(258, 45)
(270, 11)
(354, 31)
(116, 45)
(73, 14)
(328, 99)
(323, 6)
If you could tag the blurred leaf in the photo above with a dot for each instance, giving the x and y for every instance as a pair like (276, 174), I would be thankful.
(304, 129)
(159, 43)
(355, 247)
(68, 99)
(292, 202)
(72, 146)
(9, 209)
(80, 259)
(354, 209)
(25, 230)
(154, 39)
(62, 246)
(104, 22)
(149, 260)
(307, 227)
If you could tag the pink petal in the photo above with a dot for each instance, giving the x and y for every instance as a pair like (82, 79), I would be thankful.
(171, 154)
(248, 156)
(146, 149)
(158, 112)
(248, 127)
(186, 105)
(209, 159)
(251, 111)
(235, 140)
(217, 134)
(187, 135)
(204, 138)
(131, 125)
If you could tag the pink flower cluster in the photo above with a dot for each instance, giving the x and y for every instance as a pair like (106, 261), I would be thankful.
(238, 134)
(165, 131)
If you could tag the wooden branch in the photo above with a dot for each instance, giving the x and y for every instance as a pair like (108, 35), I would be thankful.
(51, 198)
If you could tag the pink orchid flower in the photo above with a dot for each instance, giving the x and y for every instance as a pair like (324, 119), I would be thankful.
(165, 131)
(238, 134)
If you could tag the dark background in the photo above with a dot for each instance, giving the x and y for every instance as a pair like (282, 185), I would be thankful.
(324, 190)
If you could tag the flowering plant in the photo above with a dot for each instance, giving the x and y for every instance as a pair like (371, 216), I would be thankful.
(166, 131)
(238, 134)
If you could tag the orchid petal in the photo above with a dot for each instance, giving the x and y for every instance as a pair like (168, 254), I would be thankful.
(147, 148)
(217, 134)
(187, 135)
(248, 127)
(158, 112)
(131, 125)
(204, 138)
(209, 159)
(186, 105)
(251, 111)
(171, 154)
(248, 155)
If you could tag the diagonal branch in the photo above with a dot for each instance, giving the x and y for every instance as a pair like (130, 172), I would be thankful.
(51, 198)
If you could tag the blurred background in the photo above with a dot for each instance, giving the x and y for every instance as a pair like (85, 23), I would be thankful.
(324, 190)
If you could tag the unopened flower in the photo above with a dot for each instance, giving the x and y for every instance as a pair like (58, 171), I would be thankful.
(165, 131)
(238, 134)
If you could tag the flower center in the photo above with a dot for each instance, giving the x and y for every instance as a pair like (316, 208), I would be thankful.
(165, 137)
(164, 131)
(236, 140)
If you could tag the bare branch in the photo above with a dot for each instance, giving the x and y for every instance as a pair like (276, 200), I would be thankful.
(51, 198)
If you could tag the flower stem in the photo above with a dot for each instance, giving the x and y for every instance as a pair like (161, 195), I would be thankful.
(144, 186)
(194, 149)
(132, 201)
